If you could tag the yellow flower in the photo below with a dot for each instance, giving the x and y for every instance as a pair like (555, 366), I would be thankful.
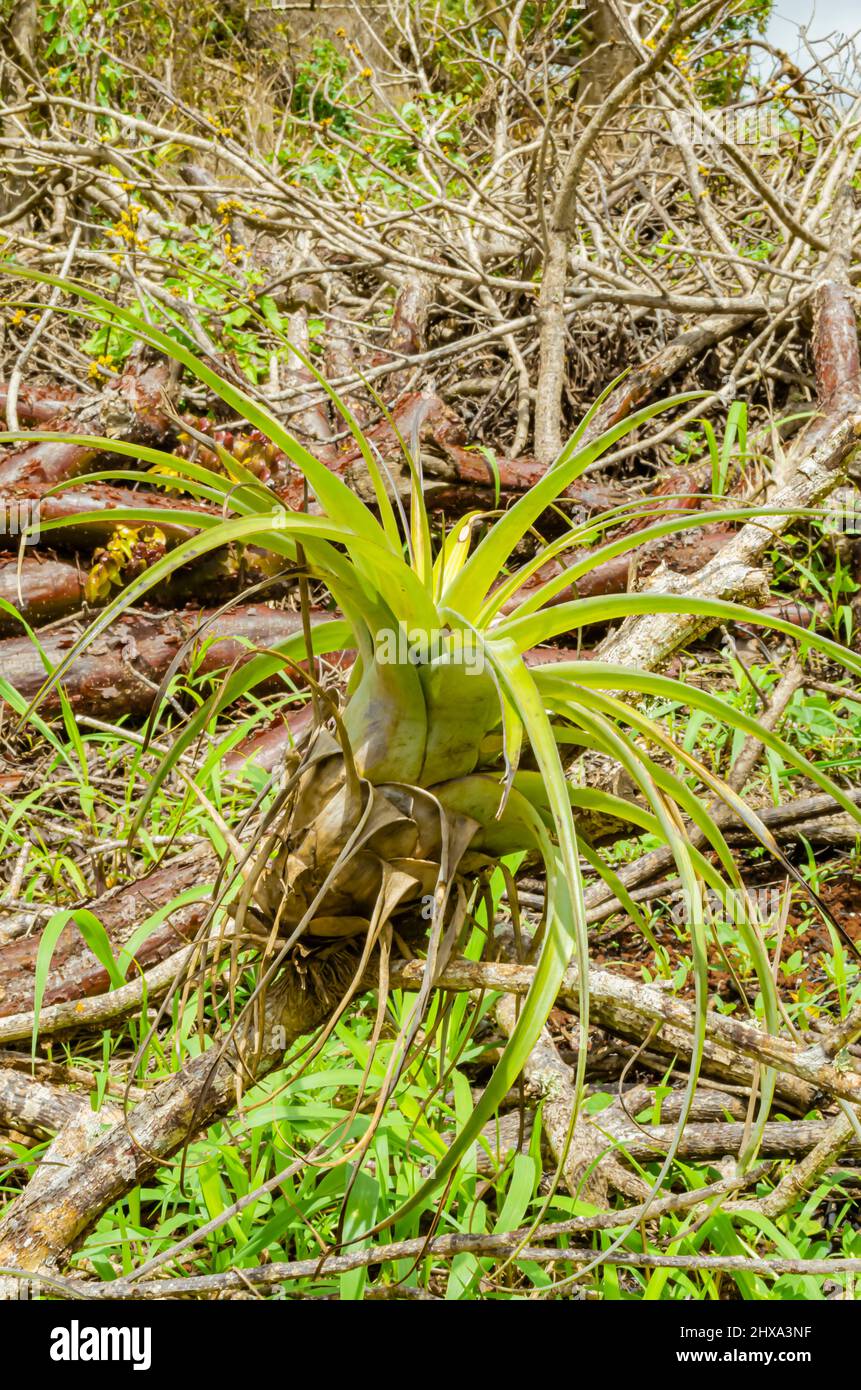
(93, 371)
(18, 317)
(340, 33)
(367, 72)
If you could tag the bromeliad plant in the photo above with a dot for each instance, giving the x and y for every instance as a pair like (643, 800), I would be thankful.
(445, 752)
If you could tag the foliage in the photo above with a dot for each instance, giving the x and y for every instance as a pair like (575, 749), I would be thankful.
(385, 576)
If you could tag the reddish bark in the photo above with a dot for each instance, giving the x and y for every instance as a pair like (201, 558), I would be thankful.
(789, 611)
(48, 590)
(39, 405)
(467, 478)
(75, 972)
(835, 333)
(96, 502)
(130, 409)
(641, 383)
(676, 492)
(120, 672)
(546, 656)
(266, 747)
(45, 589)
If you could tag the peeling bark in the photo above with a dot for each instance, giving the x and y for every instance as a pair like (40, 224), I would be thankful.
(40, 405)
(33, 1107)
(589, 1172)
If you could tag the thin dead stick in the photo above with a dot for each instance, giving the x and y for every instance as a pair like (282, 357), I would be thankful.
(751, 749)
(811, 816)
(615, 1001)
(602, 1221)
(27, 350)
(101, 1008)
(441, 1248)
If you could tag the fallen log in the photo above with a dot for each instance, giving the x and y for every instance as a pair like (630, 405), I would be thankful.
(589, 1172)
(628, 1008)
(641, 383)
(700, 1143)
(100, 1011)
(32, 1107)
(40, 405)
(119, 674)
(131, 409)
(266, 748)
(704, 1142)
(22, 503)
(45, 589)
(815, 818)
(42, 1226)
(75, 972)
